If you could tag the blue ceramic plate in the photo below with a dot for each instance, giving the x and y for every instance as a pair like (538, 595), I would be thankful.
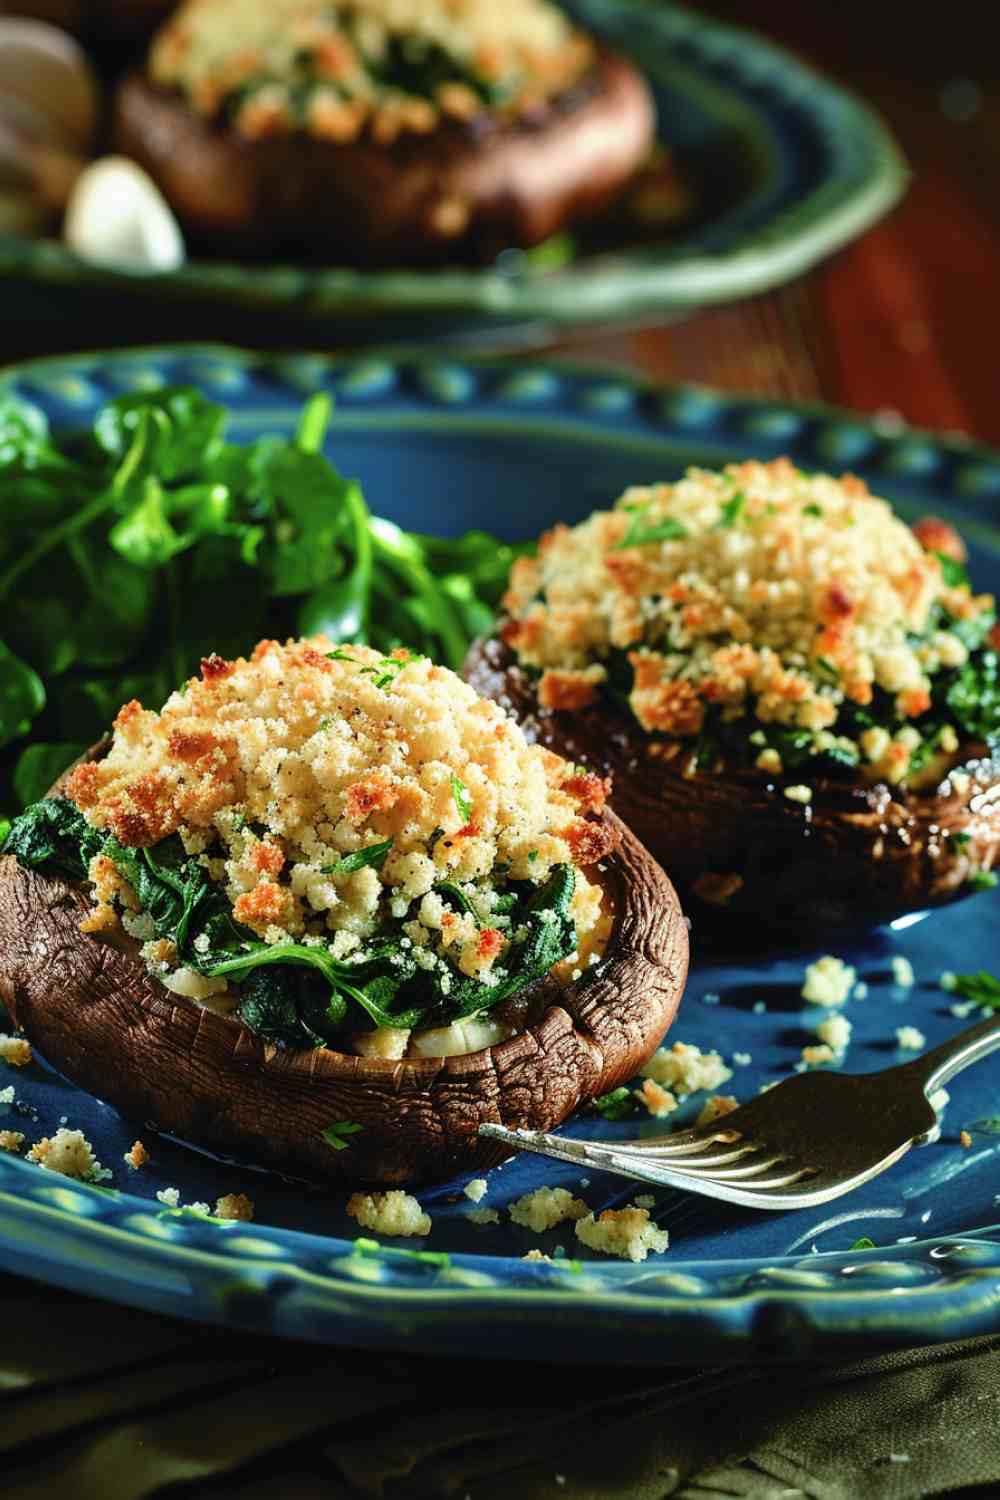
(787, 168)
(443, 446)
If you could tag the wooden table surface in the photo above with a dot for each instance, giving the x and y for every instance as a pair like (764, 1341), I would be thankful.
(905, 319)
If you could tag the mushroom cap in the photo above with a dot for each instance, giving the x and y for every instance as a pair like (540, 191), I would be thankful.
(854, 856)
(93, 1010)
(464, 190)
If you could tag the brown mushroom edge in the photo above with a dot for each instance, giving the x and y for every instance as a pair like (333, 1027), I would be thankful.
(741, 853)
(464, 192)
(94, 1012)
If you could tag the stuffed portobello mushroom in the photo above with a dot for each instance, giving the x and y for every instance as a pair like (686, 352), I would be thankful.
(379, 131)
(796, 694)
(328, 910)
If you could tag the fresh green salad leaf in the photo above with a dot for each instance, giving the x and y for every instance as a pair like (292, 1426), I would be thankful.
(118, 545)
(640, 535)
(460, 793)
(864, 1243)
(374, 855)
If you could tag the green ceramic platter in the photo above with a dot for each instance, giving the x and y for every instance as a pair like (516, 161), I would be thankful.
(787, 168)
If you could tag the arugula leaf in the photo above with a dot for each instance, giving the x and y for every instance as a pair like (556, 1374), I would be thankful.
(617, 1105)
(335, 1134)
(460, 793)
(863, 1244)
(374, 855)
(981, 987)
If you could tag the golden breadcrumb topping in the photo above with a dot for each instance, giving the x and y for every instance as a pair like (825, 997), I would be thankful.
(275, 770)
(759, 590)
(337, 68)
(11, 1140)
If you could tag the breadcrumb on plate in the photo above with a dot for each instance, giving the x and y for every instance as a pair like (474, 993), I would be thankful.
(684, 1069)
(234, 1206)
(545, 1208)
(69, 1153)
(391, 1213)
(828, 981)
(483, 1216)
(476, 1189)
(910, 1039)
(659, 1101)
(14, 1050)
(625, 1232)
(11, 1140)
(964, 1139)
(715, 1108)
(136, 1156)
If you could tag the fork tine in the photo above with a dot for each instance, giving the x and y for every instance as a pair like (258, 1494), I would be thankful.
(732, 1173)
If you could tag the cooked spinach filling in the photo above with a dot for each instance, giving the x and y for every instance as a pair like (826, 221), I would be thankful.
(965, 699)
(295, 993)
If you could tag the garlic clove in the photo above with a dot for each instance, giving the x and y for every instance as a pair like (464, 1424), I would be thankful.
(45, 76)
(117, 216)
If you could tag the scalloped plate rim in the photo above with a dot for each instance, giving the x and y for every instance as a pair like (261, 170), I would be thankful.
(811, 1318)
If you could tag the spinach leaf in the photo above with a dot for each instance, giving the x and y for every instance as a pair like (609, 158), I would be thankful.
(617, 1105)
(374, 855)
(973, 699)
(983, 988)
(53, 835)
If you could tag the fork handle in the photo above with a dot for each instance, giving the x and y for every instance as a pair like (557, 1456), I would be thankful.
(940, 1064)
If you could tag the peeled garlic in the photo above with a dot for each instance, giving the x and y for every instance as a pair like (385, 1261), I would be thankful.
(117, 216)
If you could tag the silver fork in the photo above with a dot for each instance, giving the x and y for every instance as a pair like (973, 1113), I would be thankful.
(811, 1138)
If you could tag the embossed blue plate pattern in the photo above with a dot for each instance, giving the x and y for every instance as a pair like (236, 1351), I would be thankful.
(787, 168)
(444, 445)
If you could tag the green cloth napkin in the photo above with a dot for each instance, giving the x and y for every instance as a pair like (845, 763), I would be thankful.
(99, 1402)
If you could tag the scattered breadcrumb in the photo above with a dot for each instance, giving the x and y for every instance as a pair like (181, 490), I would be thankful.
(476, 1189)
(14, 1050)
(137, 1155)
(536, 1255)
(69, 1153)
(483, 1216)
(7, 1095)
(545, 1208)
(813, 1056)
(626, 1232)
(11, 1140)
(715, 1108)
(645, 1200)
(171, 1196)
(962, 1009)
(392, 1213)
(910, 1039)
(902, 972)
(685, 1069)
(948, 980)
(964, 1139)
(835, 1031)
(860, 991)
(759, 1008)
(234, 1206)
(743, 1059)
(659, 1101)
(828, 981)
